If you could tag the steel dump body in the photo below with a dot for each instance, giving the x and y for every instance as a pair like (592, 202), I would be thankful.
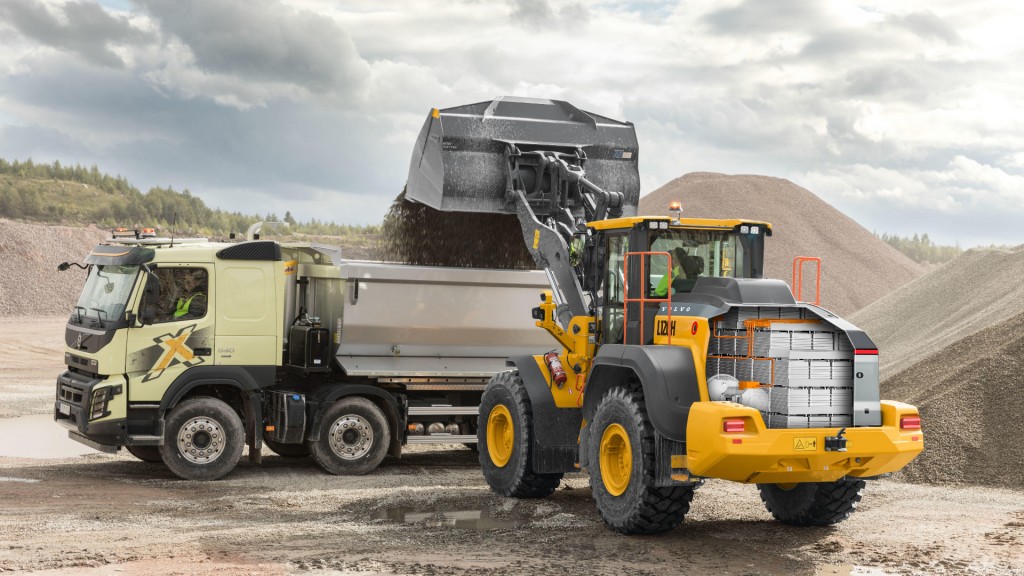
(393, 320)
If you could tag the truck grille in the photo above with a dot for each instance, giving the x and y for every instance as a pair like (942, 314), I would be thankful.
(71, 394)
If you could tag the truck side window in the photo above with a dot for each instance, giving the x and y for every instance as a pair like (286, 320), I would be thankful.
(183, 294)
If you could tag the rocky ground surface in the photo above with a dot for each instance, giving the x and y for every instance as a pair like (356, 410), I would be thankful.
(67, 509)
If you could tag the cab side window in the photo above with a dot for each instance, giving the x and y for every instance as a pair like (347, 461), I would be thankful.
(183, 294)
(614, 288)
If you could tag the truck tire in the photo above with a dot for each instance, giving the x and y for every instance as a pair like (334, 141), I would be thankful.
(812, 503)
(286, 450)
(504, 440)
(354, 437)
(621, 465)
(203, 439)
(149, 454)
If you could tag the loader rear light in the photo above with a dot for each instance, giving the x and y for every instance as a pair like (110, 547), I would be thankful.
(733, 426)
(910, 423)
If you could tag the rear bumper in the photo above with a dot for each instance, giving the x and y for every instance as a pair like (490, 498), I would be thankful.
(763, 455)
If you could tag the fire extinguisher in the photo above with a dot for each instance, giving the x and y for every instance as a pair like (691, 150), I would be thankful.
(555, 366)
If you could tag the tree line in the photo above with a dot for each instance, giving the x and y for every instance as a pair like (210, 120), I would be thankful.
(921, 249)
(56, 193)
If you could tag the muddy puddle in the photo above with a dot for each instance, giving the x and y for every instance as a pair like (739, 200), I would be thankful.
(466, 519)
(37, 436)
(850, 570)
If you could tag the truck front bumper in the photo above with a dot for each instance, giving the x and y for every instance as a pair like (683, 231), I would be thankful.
(784, 456)
(77, 401)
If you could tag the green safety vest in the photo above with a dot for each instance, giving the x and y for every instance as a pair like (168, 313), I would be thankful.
(662, 288)
(181, 308)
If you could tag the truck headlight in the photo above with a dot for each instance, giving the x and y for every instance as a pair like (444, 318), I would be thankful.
(100, 399)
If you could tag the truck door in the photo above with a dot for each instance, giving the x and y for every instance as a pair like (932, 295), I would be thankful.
(178, 332)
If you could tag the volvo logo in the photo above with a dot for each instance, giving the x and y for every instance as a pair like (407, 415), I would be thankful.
(78, 342)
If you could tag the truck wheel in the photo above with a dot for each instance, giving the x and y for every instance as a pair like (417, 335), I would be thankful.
(622, 460)
(354, 437)
(145, 453)
(812, 503)
(203, 439)
(286, 450)
(504, 440)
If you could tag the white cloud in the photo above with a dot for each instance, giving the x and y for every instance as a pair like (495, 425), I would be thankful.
(911, 106)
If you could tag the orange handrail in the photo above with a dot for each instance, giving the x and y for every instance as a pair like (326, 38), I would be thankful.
(643, 299)
(798, 278)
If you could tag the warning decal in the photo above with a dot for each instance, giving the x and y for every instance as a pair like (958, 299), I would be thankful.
(805, 444)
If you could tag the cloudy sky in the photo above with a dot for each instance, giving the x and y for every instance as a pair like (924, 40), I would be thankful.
(908, 116)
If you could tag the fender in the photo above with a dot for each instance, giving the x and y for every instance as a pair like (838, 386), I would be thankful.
(556, 444)
(667, 374)
(245, 378)
(324, 396)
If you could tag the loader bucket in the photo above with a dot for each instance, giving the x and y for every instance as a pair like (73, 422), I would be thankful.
(459, 162)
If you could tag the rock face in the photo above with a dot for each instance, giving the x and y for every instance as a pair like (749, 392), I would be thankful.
(30, 283)
(857, 269)
(952, 343)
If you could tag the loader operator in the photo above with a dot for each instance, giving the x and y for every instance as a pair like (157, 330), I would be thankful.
(679, 256)
(684, 275)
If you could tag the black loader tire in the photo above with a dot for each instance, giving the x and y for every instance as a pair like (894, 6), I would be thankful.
(286, 450)
(202, 426)
(640, 507)
(354, 437)
(515, 476)
(149, 454)
(812, 503)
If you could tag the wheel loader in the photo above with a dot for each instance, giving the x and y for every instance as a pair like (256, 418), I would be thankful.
(676, 360)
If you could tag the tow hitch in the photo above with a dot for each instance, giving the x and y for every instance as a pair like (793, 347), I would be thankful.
(836, 443)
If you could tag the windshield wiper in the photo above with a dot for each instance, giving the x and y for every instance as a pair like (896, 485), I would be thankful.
(100, 313)
(79, 309)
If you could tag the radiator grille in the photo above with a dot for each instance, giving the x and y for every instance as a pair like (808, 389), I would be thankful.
(807, 362)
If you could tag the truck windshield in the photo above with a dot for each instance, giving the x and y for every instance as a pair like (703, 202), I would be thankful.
(696, 253)
(105, 294)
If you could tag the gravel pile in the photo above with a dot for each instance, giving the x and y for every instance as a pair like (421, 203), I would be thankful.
(417, 234)
(857, 267)
(952, 343)
(979, 289)
(30, 283)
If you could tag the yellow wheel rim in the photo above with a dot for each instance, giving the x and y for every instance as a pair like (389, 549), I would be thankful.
(787, 487)
(616, 459)
(500, 435)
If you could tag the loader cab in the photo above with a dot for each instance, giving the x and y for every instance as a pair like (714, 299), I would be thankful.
(645, 261)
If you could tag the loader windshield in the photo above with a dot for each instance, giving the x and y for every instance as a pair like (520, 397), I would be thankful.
(697, 253)
(105, 295)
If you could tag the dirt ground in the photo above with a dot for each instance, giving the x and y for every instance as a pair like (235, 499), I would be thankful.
(77, 511)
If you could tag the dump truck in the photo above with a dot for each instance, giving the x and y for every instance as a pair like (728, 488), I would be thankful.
(675, 359)
(184, 351)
